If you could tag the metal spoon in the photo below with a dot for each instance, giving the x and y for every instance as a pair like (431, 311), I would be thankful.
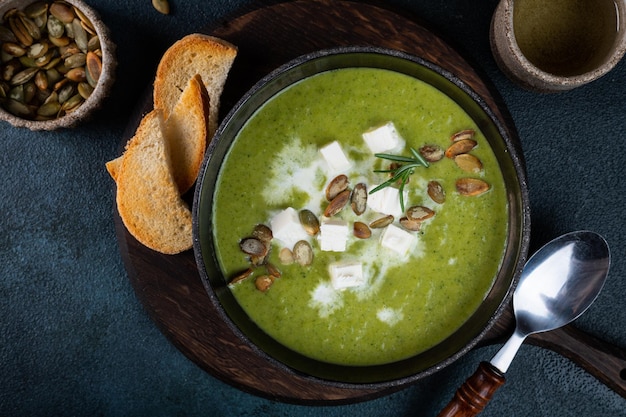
(558, 283)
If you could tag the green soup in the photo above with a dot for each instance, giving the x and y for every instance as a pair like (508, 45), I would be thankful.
(409, 302)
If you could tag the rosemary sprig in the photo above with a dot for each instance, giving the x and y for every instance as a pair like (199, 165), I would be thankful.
(401, 173)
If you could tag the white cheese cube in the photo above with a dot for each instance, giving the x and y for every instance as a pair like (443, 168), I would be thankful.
(286, 227)
(334, 235)
(386, 201)
(384, 138)
(397, 239)
(346, 275)
(335, 158)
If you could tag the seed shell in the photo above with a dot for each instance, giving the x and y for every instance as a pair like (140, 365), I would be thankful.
(468, 163)
(262, 233)
(336, 186)
(471, 186)
(432, 153)
(463, 134)
(410, 224)
(337, 204)
(436, 192)
(303, 253)
(263, 282)
(459, 147)
(419, 213)
(309, 222)
(382, 222)
(286, 256)
(253, 246)
(358, 199)
(361, 231)
(273, 270)
(242, 276)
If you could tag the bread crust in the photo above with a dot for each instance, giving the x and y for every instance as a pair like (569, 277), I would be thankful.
(205, 55)
(186, 133)
(147, 198)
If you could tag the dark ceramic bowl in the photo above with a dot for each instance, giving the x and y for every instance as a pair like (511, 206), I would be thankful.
(461, 341)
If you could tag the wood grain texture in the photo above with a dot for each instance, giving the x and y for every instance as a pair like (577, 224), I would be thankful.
(169, 287)
(475, 393)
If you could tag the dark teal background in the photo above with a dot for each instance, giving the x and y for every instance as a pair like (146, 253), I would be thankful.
(75, 341)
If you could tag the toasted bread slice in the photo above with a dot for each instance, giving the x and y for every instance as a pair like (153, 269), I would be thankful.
(113, 166)
(147, 198)
(186, 133)
(208, 56)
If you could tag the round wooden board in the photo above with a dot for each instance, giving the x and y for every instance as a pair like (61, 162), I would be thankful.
(170, 288)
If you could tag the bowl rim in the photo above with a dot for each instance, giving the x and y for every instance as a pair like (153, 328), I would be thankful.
(100, 92)
(523, 229)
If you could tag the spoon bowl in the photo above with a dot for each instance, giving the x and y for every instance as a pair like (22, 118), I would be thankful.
(558, 283)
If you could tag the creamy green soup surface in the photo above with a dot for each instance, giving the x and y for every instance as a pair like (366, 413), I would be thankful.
(409, 302)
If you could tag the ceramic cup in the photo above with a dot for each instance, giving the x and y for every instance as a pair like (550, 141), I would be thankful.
(519, 68)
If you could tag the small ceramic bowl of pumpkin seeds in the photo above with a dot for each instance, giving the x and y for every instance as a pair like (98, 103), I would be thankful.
(57, 63)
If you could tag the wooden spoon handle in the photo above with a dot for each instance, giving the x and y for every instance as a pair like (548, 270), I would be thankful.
(601, 359)
(472, 397)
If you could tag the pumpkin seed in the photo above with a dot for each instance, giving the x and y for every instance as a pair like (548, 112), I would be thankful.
(30, 89)
(17, 93)
(309, 222)
(419, 213)
(361, 231)
(77, 75)
(431, 153)
(253, 246)
(37, 50)
(337, 185)
(44, 48)
(36, 9)
(20, 31)
(273, 271)
(18, 108)
(84, 21)
(286, 256)
(24, 76)
(62, 11)
(460, 147)
(94, 67)
(76, 60)
(468, 163)
(411, 225)
(49, 109)
(263, 233)
(85, 90)
(241, 276)
(9, 69)
(162, 6)
(30, 27)
(263, 282)
(337, 204)
(462, 135)
(66, 91)
(436, 192)
(7, 35)
(382, 222)
(13, 49)
(358, 200)
(303, 253)
(94, 43)
(471, 186)
(55, 27)
(80, 35)
(72, 103)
